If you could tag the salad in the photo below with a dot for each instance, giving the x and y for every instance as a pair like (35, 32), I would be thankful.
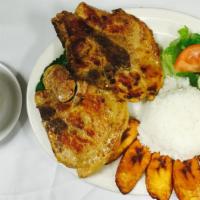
(182, 57)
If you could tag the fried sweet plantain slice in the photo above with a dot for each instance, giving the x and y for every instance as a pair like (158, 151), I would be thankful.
(132, 166)
(127, 138)
(186, 178)
(159, 177)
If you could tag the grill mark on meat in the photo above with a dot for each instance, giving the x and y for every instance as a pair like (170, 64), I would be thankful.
(56, 125)
(144, 68)
(125, 81)
(77, 28)
(93, 103)
(152, 89)
(92, 16)
(134, 94)
(93, 75)
(79, 143)
(136, 78)
(109, 72)
(90, 132)
(76, 121)
(62, 106)
(75, 47)
(116, 55)
(46, 112)
(112, 81)
(96, 62)
(104, 17)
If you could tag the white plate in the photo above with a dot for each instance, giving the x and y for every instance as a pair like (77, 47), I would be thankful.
(164, 24)
(10, 101)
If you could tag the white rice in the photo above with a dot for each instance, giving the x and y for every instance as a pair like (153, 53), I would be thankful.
(171, 123)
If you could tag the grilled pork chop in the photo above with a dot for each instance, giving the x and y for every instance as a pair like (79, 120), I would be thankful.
(113, 50)
(92, 56)
(84, 130)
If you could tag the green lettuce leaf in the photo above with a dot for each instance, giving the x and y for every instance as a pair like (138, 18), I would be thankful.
(169, 54)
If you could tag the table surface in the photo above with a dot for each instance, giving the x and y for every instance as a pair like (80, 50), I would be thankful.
(26, 171)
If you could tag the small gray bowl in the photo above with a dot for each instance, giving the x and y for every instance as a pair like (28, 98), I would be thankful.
(10, 101)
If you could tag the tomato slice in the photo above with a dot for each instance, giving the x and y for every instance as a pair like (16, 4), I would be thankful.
(189, 59)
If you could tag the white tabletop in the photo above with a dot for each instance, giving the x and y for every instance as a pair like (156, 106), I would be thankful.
(26, 171)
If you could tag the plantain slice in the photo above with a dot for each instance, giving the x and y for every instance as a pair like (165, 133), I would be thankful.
(132, 166)
(127, 138)
(186, 178)
(159, 177)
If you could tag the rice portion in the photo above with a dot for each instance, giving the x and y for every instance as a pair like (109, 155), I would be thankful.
(171, 123)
